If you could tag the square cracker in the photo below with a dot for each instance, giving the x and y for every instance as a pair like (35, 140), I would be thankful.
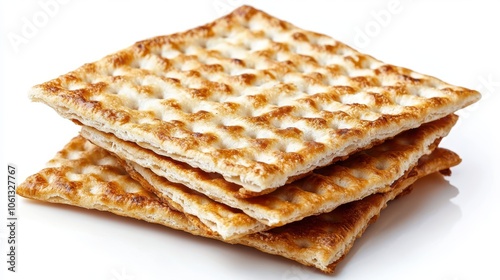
(85, 175)
(251, 97)
(217, 204)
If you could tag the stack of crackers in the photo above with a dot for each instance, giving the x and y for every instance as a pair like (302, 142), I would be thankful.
(249, 130)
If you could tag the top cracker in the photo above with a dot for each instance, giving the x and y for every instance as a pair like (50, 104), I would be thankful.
(251, 97)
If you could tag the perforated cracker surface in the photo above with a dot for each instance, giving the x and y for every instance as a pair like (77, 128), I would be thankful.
(87, 176)
(251, 97)
(364, 173)
(228, 222)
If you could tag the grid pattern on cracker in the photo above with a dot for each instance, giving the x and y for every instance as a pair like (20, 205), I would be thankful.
(362, 174)
(86, 176)
(228, 222)
(251, 97)
(322, 241)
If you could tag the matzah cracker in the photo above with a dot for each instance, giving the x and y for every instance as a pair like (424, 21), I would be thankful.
(364, 173)
(251, 97)
(232, 223)
(322, 241)
(228, 222)
(87, 176)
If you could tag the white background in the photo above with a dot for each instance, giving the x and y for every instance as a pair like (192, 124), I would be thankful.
(447, 229)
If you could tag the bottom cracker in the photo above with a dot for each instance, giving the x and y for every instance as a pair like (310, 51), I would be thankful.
(87, 176)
